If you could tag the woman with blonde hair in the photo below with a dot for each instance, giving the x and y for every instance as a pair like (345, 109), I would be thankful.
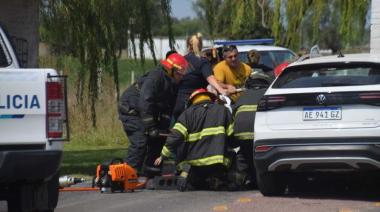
(199, 76)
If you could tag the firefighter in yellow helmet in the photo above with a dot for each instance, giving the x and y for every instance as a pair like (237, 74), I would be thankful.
(145, 110)
(200, 140)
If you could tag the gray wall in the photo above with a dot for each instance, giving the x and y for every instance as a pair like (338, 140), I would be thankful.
(161, 46)
(20, 18)
(375, 27)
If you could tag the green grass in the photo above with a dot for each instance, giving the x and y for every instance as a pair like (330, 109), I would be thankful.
(84, 162)
(126, 67)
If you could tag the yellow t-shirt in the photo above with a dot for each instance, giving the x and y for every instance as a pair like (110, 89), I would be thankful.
(236, 77)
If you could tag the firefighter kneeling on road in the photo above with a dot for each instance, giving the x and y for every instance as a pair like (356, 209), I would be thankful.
(145, 110)
(200, 141)
(244, 119)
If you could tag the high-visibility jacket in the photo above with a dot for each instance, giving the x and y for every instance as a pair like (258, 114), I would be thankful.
(201, 136)
(244, 111)
(151, 97)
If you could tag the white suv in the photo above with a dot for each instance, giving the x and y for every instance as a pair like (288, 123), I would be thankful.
(319, 115)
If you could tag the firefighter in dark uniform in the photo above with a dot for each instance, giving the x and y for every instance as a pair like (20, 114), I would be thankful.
(200, 140)
(145, 110)
(244, 111)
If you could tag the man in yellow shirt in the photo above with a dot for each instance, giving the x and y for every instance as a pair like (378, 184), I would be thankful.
(231, 72)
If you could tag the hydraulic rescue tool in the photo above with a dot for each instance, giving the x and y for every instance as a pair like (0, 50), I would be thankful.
(116, 176)
(67, 181)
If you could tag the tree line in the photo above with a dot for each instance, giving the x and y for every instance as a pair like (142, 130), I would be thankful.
(334, 24)
(96, 31)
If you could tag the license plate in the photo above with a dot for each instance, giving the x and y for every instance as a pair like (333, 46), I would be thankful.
(322, 113)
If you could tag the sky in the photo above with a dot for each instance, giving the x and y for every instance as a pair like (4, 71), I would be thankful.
(182, 8)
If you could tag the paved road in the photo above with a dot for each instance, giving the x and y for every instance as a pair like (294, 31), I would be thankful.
(334, 196)
(317, 196)
(173, 201)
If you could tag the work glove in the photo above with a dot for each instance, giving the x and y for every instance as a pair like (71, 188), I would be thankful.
(153, 133)
(182, 180)
(181, 183)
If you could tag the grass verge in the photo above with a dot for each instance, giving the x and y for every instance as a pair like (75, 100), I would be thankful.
(83, 162)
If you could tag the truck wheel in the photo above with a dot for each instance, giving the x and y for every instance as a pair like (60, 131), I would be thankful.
(53, 192)
(270, 184)
(14, 200)
(35, 197)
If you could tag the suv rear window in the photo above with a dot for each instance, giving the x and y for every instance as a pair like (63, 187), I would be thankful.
(328, 75)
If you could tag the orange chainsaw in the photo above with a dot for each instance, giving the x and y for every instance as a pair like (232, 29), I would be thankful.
(116, 176)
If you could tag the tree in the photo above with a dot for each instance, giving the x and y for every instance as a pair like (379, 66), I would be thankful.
(293, 23)
(207, 12)
(166, 10)
(235, 19)
(317, 17)
(89, 31)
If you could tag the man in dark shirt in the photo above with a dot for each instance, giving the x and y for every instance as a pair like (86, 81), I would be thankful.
(199, 75)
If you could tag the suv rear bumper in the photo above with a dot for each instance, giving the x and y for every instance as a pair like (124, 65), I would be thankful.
(311, 155)
(28, 165)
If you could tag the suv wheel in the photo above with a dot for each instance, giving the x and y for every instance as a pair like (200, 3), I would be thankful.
(270, 184)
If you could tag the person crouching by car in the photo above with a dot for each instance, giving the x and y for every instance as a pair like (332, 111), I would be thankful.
(244, 112)
(200, 140)
(145, 110)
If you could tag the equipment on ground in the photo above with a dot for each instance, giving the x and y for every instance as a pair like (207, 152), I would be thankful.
(116, 176)
(163, 182)
(226, 101)
(67, 181)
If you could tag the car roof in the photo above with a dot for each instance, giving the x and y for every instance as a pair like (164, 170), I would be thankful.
(362, 57)
(246, 48)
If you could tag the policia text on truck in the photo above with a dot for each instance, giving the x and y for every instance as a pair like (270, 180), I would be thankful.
(19, 101)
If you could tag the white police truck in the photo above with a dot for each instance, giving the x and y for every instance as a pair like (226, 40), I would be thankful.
(33, 126)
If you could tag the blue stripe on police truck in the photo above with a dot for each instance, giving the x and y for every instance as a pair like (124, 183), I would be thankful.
(12, 116)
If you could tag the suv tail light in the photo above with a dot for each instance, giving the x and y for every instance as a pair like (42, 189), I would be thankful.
(271, 102)
(370, 98)
(263, 148)
(57, 123)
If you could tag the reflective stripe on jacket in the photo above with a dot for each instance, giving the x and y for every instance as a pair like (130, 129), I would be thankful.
(201, 135)
(244, 114)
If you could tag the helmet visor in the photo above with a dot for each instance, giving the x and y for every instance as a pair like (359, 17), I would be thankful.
(180, 71)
